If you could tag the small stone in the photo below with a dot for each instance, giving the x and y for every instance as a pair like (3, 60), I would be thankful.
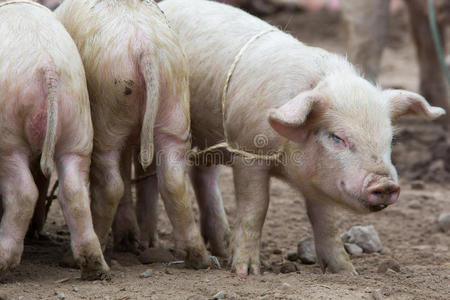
(276, 269)
(276, 251)
(389, 264)
(376, 295)
(288, 267)
(417, 185)
(353, 249)
(219, 295)
(444, 222)
(285, 286)
(60, 295)
(306, 251)
(365, 237)
(414, 268)
(145, 274)
(75, 289)
(386, 251)
(3, 297)
(390, 272)
(169, 272)
(415, 205)
(21, 298)
(292, 256)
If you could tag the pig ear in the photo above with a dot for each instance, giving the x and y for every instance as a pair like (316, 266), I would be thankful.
(293, 119)
(404, 103)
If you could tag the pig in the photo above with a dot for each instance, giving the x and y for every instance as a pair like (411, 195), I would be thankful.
(45, 120)
(137, 77)
(329, 129)
(367, 26)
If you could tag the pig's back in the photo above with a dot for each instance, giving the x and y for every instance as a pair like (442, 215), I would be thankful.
(31, 37)
(112, 36)
(270, 72)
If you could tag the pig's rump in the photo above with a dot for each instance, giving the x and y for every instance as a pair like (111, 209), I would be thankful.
(33, 66)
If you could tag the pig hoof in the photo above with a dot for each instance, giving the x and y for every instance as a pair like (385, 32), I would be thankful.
(345, 269)
(94, 269)
(243, 269)
(198, 259)
(9, 262)
(91, 275)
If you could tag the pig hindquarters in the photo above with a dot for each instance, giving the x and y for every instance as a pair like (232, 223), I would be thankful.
(138, 81)
(44, 109)
(335, 128)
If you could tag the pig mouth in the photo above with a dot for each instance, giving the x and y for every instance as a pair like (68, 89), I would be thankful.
(372, 207)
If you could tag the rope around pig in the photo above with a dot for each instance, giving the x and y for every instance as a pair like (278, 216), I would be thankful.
(23, 2)
(226, 143)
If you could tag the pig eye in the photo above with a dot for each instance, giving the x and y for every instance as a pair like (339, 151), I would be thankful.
(335, 138)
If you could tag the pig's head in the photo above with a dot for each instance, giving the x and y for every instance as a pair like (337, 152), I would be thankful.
(340, 136)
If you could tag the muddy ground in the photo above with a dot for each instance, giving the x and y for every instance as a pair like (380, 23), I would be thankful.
(408, 230)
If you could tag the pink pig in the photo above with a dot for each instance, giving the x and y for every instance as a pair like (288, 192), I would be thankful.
(44, 110)
(331, 128)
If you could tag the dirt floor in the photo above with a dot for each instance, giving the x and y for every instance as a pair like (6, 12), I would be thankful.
(408, 230)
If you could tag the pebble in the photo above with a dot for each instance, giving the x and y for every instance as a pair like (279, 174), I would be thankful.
(60, 295)
(75, 289)
(415, 205)
(414, 268)
(292, 256)
(219, 295)
(285, 286)
(418, 185)
(376, 295)
(288, 267)
(21, 298)
(145, 274)
(306, 251)
(365, 237)
(444, 222)
(389, 264)
(276, 251)
(353, 249)
(3, 297)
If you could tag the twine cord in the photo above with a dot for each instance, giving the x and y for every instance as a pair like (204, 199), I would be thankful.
(226, 143)
(23, 2)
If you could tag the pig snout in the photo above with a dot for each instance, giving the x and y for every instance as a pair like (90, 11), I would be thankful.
(381, 194)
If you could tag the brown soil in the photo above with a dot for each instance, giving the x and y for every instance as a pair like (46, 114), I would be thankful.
(408, 230)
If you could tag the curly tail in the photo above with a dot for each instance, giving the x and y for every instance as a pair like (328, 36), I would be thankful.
(150, 70)
(48, 150)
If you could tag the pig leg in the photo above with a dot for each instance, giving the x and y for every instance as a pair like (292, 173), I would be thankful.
(366, 23)
(147, 207)
(252, 196)
(19, 194)
(40, 211)
(214, 224)
(329, 247)
(433, 84)
(73, 196)
(125, 226)
(107, 189)
(171, 166)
